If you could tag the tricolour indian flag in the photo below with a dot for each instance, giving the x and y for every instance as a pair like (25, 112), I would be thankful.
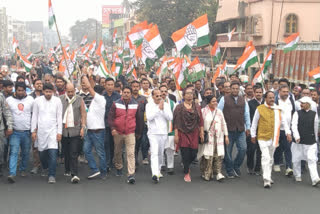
(196, 70)
(15, 44)
(132, 71)
(84, 40)
(92, 47)
(179, 73)
(291, 42)
(267, 62)
(248, 58)
(230, 34)
(101, 51)
(163, 69)
(152, 47)
(29, 57)
(259, 76)
(26, 63)
(67, 47)
(102, 70)
(315, 73)
(195, 34)
(52, 17)
(215, 52)
(137, 33)
(117, 66)
(114, 36)
(220, 70)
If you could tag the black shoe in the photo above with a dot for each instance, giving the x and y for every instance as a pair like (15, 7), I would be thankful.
(103, 176)
(257, 172)
(155, 179)
(119, 173)
(230, 175)
(1, 173)
(170, 171)
(11, 179)
(131, 179)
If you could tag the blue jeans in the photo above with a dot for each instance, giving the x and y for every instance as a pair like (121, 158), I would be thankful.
(48, 160)
(109, 147)
(96, 140)
(284, 146)
(19, 139)
(238, 138)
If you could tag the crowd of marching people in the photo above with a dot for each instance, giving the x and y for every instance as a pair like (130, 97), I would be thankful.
(47, 119)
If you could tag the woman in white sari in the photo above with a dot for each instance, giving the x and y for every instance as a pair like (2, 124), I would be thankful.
(211, 153)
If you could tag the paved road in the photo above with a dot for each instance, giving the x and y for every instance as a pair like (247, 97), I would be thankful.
(32, 195)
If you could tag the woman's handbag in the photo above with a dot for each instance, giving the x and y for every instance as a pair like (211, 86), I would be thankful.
(206, 133)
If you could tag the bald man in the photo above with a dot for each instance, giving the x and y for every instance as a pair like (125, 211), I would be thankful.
(74, 124)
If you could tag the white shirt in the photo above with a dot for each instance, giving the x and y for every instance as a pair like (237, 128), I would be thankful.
(158, 119)
(96, 112)
(21, 112)
(286, 109)
(47, 122)
(294, 126)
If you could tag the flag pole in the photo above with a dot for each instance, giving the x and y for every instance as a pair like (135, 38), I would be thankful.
(55, 22)
(211, 57)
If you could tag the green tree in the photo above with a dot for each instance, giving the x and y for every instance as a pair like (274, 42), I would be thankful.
(90, 27)
(171, 15)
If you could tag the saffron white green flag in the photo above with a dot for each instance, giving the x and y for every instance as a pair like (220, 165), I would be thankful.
(195, 34)
(52, 17)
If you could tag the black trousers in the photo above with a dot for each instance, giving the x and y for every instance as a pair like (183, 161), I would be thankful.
(71, 147)
(253, 150)
(188, 155)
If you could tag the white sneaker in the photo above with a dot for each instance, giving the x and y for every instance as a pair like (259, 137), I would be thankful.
(160, 175)
(51, 180)
(298, 179)
(289, 172)
(276, 168)
(220, 177)
(316, 182)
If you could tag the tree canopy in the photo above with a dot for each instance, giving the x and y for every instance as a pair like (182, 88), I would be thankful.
(171, 15)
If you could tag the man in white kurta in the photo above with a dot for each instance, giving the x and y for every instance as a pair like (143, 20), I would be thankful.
(158, 115)
(169, 145)
(46, 128)
(305, 132)
(266, 130)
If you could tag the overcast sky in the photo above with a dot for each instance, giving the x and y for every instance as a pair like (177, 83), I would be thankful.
(67, 11)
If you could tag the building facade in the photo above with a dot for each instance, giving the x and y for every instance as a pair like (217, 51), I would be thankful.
(266, 23)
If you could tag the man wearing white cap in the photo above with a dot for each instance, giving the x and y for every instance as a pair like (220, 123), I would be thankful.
(305, 131)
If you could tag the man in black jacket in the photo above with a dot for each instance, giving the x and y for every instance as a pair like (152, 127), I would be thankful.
(254, 149)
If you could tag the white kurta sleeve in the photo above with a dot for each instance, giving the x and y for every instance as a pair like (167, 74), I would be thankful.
(294, 126)
(254, 125)
(34, 118)
(59, 116)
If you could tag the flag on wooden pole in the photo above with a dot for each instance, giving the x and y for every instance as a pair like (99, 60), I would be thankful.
(52, 17)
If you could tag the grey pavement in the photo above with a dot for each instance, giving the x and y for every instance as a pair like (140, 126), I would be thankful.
(33, 195)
